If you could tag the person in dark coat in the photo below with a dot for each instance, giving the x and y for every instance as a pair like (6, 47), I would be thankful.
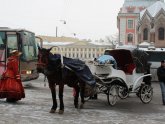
(161, 78)
(10, 83)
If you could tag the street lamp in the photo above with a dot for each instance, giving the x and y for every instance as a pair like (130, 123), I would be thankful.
(64, 22)
(74, 34)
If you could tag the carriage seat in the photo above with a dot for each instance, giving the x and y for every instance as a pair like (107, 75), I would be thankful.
(128, 69)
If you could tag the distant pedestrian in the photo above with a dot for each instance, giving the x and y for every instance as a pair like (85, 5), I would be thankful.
(10, 84)
(161, 78)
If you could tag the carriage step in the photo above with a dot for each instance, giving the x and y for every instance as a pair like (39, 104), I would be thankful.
(102, 75)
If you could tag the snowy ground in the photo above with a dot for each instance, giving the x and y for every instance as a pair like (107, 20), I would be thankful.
(34, 109)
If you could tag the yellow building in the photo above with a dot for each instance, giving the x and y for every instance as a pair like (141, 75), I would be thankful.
(75, 48)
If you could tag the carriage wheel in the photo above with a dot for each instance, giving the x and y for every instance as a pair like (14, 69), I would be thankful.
(146, 93)
(112, 95)
(123, 92)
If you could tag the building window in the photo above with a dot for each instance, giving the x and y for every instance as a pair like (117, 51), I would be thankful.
(130, 38)
(93, 55)
(85, 56)
(130, 24)
(161, 33)
(98, 55)
(145, 34)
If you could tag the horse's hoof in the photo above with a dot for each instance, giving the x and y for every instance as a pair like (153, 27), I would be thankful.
(81, 106)
(52, 111)
(76, 106)
(61, 112)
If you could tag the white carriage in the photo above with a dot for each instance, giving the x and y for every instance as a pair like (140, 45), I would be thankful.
(130, 75)
(125, 79)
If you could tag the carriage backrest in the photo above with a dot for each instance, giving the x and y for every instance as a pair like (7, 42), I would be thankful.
(123, 58)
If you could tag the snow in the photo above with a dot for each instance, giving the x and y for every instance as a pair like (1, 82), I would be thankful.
(101, 43)
(56, 43)
(34, 109)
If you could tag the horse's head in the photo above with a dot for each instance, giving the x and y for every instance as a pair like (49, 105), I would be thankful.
(42, 59)
(48, 61)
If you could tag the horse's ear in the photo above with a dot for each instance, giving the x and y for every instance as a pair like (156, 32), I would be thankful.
(39, 48)
(49, 49)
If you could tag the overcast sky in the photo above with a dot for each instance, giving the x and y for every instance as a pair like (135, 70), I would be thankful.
(89, 19)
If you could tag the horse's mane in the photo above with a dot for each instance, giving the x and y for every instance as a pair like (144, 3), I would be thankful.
(140, 59)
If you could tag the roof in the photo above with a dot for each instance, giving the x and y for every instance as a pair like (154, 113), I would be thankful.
(153, 50)
(153, 9)
(78, 43)
(101, 43)
(136, 5)
(139, 3)
(13, 29)
(58, 41)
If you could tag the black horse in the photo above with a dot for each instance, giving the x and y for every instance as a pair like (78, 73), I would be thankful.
(142, 64)
(59, 74)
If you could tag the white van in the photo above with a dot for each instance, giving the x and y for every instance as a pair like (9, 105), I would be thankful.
(156, 55)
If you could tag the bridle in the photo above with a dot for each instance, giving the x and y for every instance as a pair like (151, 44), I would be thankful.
(43, 61)
(40, 62)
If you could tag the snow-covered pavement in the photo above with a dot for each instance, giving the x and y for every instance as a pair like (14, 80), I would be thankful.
(34, 109)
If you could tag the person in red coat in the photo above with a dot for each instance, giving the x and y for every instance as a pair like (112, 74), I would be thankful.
(10, 83)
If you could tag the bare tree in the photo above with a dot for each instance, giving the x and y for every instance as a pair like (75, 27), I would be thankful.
(113, 39)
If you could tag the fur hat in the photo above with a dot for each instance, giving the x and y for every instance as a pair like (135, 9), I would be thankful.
(15, 53)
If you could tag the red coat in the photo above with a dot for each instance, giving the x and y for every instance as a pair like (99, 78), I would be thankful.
(10, 84)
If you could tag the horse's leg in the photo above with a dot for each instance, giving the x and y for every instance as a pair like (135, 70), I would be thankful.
(82, 91)
(53, 91)
(77, 90)
(61, 89)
